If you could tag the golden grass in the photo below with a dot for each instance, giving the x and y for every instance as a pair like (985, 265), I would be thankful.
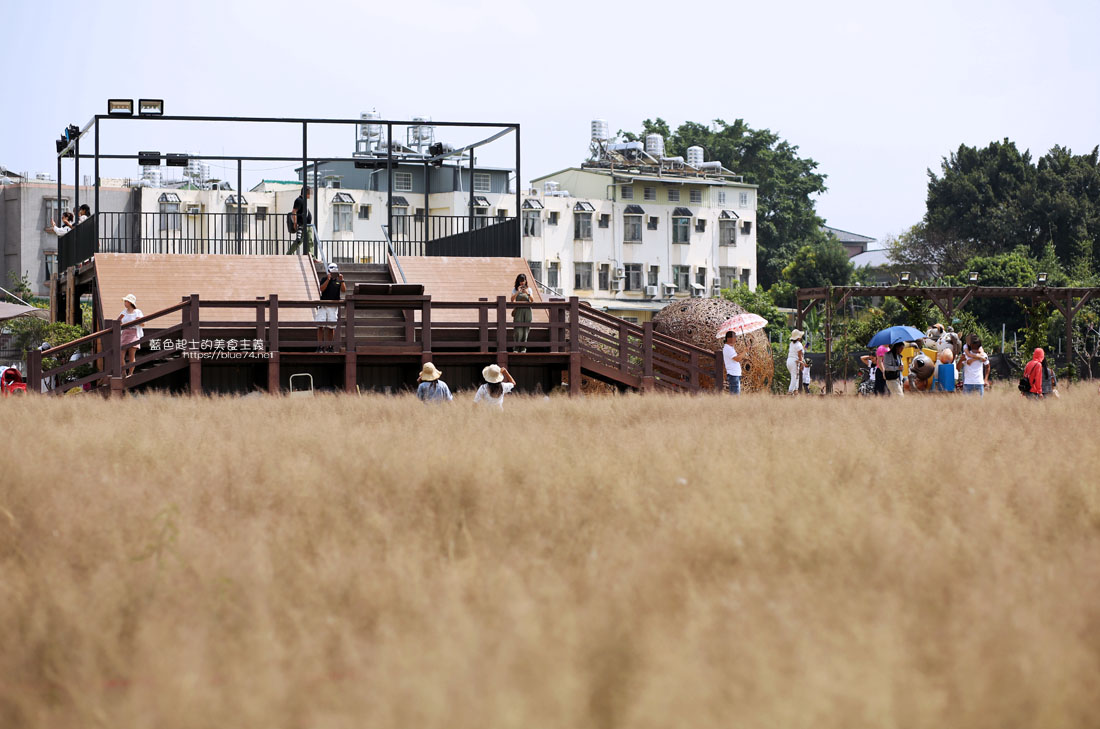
(614, 562)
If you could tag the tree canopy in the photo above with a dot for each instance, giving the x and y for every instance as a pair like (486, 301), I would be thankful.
(786, 219)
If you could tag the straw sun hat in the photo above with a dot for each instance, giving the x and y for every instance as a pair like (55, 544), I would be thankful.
(131, 298)
(492, 374)
(796, 334)
(428, 372)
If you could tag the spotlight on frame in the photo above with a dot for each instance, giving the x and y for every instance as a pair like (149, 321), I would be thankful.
(120, 107)
(151, 107)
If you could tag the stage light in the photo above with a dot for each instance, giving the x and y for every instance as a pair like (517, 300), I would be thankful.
(1043, 279)
(175, 160)
(151, 107)
(904, 277)
(150, 159)
(973, 278)
(121, 107)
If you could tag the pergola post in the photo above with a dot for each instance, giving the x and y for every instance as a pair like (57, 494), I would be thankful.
(829, 340)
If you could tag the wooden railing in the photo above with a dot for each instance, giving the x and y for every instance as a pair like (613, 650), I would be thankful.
(605, 346)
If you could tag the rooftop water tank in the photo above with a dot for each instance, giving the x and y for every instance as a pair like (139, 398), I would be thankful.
(424, 131)
(712, 166)
(655, 145)
(370, 131)
(695, 156)
(600, 130)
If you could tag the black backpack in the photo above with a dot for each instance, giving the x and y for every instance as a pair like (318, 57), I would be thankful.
(1025, 385)
(291, 222)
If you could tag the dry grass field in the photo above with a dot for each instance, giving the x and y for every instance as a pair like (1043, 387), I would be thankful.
(601, 562)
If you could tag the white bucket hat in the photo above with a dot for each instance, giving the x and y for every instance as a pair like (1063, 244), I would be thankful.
(131, 298)
(796, 334)
(492, 374)
(333, 268)
(429, 373)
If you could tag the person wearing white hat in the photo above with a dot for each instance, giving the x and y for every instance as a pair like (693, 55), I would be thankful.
(795, 360)
(498, 382)
(431, 388)
(331, 287)
(130, 335)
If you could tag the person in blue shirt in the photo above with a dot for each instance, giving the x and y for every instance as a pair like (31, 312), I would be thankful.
(431, 388)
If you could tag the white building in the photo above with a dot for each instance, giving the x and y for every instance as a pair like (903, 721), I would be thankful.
(631, 231)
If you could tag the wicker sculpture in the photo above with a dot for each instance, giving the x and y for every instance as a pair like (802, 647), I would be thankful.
(696, 320)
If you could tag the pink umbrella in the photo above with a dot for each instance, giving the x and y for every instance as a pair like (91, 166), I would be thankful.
(742, 324)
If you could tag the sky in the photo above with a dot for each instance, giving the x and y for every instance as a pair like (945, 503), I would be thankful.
(877, 93)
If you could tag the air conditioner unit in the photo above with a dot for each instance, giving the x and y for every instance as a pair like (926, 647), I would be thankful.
(620, 284)
(617, 274)
(669, 288)
(716, 291)
(651, 290)
(192, 209)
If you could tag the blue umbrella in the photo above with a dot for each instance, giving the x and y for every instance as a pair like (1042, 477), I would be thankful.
(892, 335)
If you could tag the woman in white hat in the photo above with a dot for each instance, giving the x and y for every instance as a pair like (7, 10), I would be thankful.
(431, 388)
(498, 382)
(796, 358)
(130, 335)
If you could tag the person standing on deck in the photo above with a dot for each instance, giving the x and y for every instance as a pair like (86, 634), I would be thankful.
(331, 287)
(300, 222)
(521, 293)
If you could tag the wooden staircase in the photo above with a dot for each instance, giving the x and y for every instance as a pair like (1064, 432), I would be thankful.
(372, 326)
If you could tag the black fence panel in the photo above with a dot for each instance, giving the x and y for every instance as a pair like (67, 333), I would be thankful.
(501, 238)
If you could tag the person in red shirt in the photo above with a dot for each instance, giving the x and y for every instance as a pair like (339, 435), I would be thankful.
(1033, 371)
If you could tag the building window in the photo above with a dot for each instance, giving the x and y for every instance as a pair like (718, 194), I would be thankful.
(745, 276)
(701, 276)
(654, 221)
(169, 216)
(654, 275)
(552, 275)
(532, 223)
(743, 199)
(681, 276)
(628, 192)
(673, 195)
(701, 225)
(582, 276)
(605, 220)
(649, 193)
(502, 214)
(341, 218)
(727, 277)
(632, 228)
(553, 218)
(53, 214)
(746, 227)
(401, 222)
(727, 232)
(721, 197)
(483, 182)
(633, 276)
(582, 226)
(261, 213)
(536, 269)
(403, 181)
(605, 277)
(681, 230)
(630, 319)
(696, 197)
(364, 212)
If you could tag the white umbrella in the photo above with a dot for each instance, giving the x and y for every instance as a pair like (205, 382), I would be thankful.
(742, 324)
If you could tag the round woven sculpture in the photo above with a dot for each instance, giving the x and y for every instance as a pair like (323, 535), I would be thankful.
(696, 320)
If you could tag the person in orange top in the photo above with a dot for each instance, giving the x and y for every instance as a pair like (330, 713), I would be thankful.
(1033, 371)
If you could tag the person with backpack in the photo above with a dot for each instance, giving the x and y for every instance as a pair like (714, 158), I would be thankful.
(299, 221)
(873, 363)
(891, 369)
(1031, 384)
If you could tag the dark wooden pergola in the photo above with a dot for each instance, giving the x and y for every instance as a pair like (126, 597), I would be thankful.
(948, 299)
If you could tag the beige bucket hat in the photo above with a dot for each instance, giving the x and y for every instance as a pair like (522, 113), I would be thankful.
(429, 373)
(796, 334)
(492, 374)
(131, 298)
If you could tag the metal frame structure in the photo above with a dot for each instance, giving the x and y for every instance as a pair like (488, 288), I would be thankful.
(72, 149)
(948, 299)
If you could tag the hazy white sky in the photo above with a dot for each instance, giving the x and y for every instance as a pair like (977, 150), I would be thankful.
(876, 92)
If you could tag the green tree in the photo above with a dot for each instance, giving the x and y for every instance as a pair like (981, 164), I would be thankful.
(758, 302)
(825, 263)
(786, 183)
(1006, 269)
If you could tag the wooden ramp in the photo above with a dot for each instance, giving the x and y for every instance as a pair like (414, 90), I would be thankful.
(463, 278)
(160, 280)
